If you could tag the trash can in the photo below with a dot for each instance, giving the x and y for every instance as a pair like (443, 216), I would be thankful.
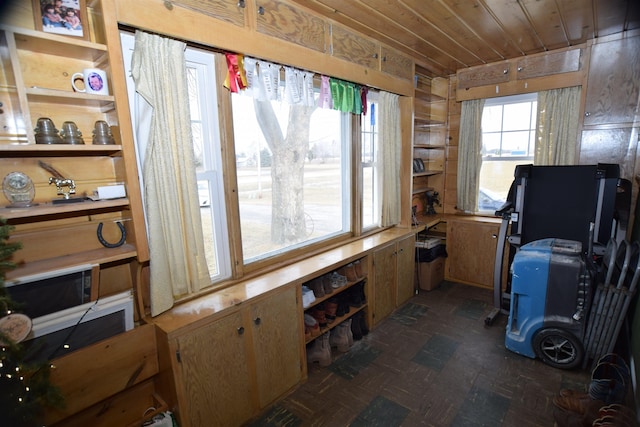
(430, 266)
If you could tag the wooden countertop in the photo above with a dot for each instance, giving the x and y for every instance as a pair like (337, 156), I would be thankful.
(216, 304)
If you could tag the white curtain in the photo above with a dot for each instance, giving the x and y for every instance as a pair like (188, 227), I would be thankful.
(469, 155)
(389, 139)
(557, 132)
(177, 257)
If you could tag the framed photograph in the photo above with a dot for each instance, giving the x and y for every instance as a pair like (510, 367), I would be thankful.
(64, 17)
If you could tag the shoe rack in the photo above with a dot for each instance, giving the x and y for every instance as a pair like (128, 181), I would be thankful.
(351, 295)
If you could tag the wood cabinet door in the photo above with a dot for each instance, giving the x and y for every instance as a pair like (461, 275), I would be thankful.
(276, 338)
(406, 267)
(612, 91)
(550, 63)
(483, 75)
(384, 291)
(213, 384)
(471, 249)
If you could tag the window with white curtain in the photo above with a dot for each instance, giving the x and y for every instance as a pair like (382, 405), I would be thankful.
(206, 146)
(369, 165)
(508, 139)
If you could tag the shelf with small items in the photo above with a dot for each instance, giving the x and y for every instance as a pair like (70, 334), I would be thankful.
(52, 208)
(27, 149)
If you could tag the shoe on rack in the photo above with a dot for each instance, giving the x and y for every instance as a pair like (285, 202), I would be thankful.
(358, 267)
(339, 339)
(363, 323)
(308, 297)
(348, 271)
(326, 284)
(356, 295)
(337, 280)
(319, 314)
(348, 333)
(316, 287)
(330, 310)
(319, 350)
(355, 328)
(311, 325)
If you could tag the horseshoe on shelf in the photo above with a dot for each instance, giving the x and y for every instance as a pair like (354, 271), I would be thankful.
(112, 245)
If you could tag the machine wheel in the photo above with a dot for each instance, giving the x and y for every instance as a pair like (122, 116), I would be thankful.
(558, 348)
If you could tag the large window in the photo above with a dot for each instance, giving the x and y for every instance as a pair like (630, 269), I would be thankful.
(293, 172)
(508, 139)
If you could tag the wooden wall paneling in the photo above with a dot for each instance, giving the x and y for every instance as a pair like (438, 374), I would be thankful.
(396, 64)
(291, 23)
(351, 46)
(103, 369)
(226, 10)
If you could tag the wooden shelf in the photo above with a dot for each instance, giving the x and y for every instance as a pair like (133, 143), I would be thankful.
(41, 94)
(97, 256)
(338, 320)
(427, 173)
(429, 147)
(418, 190)
(41, 42)
(46, 209)
(22, 150)
(426, 95)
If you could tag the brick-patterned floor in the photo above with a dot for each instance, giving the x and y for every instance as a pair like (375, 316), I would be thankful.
(431, 363)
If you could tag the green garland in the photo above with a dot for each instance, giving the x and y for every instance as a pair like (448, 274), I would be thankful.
(25, 389)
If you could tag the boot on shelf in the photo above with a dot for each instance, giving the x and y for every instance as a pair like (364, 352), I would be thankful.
(320, 351)
(319, 314)
(355, 327)
(363, 323)
(330, 309)
(317, 287)
(339, 337)
(356, 295)
(326, 284)
(311, 326)
(358, 267)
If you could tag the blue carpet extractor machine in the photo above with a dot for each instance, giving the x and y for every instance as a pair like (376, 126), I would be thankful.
(571, 274)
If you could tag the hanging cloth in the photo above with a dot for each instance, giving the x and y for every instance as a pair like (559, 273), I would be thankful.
(236, 79)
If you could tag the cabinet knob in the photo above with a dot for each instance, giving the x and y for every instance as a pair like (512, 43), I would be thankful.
(257, 320)
(375, 55)
(241, 3)
(494, 236)
(520, 68)
(505, 71)
(587, 114)
(260, 10)
(241, 330)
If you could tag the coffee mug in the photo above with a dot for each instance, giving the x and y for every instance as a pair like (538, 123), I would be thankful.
(95, 81)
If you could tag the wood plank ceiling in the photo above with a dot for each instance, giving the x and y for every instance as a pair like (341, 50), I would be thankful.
(446, 35)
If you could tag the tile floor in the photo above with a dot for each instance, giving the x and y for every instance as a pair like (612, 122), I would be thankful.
(431, 363)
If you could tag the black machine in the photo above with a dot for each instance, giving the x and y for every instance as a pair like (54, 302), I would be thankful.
(561, 218)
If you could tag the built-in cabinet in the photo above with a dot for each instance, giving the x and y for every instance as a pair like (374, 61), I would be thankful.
(229, 368)
(429, 143)
(612, 92)
(394, 267)
(471, 249)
